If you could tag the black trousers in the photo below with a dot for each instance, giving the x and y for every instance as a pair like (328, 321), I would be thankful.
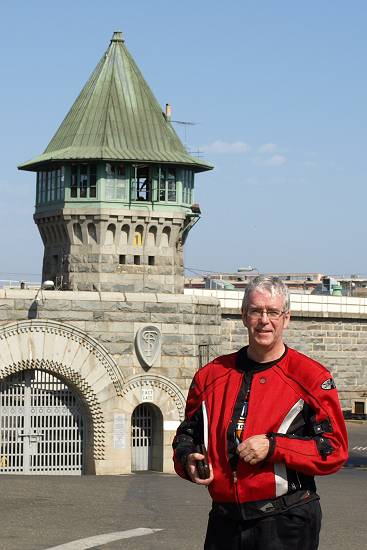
(295, 529)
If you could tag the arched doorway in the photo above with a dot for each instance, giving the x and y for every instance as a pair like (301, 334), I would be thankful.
(146, 438)
(43, 425)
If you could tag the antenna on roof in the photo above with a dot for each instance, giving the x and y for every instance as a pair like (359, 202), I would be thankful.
(183, 123)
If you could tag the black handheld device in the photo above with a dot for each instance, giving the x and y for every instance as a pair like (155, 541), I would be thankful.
(202, 465)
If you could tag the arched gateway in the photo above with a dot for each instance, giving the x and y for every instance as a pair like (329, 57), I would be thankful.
(43, 425)
(57, 386)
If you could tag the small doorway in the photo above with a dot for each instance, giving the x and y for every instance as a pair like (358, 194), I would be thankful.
(146, 438)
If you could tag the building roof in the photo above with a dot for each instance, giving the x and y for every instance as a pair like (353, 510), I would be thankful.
(116, 117)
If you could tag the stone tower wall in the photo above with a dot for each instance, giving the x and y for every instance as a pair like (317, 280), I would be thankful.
(112, 252)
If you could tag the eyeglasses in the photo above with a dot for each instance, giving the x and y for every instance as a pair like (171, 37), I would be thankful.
(257, 313)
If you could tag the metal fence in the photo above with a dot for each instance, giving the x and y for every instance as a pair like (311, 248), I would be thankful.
(9, 283)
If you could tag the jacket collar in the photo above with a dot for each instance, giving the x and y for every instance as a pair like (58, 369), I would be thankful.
(243, 363)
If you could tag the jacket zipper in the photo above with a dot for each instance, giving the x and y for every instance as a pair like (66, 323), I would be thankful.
(246, 384)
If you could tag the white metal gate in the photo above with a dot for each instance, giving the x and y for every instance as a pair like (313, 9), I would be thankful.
(41, 425)
(141, 438)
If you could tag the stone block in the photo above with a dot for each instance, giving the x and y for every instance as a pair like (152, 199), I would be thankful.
(189, 319)
(86, 305)
(141, 297)
(184, 328)
(113, 337)
(108, 268)
(8, 305)
(65, 315)
(155, 307)
(127, 306)
(186, 308)
(179, 350)
(115, 316)
(93, 258)
(167, 328)
(118, 297)
(98, 316)
(319, 347)
(166, 317)
(124, 348)
(178, 298)
(118, 326)
(173, 339)
(55, 305)
(189, 339)
(77, 324)
(8, 316)
(116, 288)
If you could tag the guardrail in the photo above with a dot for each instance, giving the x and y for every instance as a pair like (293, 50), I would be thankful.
(9, 283)
(306, 304)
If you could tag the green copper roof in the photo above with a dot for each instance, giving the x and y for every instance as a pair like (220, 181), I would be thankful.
(116, 117)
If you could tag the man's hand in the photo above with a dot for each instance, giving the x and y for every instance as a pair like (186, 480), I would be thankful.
(193, 472)
(254, 449)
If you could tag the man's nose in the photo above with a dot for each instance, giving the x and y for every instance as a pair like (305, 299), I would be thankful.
(264, 316)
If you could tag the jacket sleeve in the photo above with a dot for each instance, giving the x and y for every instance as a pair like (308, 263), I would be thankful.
(325, 449)
(190, 431)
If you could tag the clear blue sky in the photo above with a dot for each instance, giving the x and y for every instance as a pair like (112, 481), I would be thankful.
(278, 91)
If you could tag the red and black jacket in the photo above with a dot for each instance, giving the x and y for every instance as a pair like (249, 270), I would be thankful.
(292, 400)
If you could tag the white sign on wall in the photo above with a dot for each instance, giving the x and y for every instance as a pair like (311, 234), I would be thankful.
(119, 431)
(147, 394)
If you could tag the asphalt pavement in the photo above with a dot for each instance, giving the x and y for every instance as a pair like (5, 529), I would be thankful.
(157, 511)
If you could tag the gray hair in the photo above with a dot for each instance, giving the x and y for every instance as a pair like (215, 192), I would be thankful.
(264, 283)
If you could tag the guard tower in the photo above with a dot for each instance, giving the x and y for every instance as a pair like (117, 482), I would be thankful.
(115, 187)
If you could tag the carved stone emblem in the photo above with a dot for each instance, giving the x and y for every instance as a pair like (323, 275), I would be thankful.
(148, 344)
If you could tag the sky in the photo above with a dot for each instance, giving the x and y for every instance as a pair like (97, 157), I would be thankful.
(277, 92)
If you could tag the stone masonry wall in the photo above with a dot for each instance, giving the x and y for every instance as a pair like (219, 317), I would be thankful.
(339, 344)
(113, 319)
(189, 321)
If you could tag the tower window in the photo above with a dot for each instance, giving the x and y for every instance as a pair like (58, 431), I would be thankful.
(167, 185)
(137, 260)
(122, 259)
(187, 186)
(116, 182)
(142, 184)
(83, 183)
(151, 260)
(50, 185)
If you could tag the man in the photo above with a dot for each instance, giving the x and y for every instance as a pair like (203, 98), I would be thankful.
(271, 420)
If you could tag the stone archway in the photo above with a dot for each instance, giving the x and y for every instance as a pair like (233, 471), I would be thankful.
(158, 391)
(77, 358)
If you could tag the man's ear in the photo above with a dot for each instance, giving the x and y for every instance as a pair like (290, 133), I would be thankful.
(244, 316)
(287, 318)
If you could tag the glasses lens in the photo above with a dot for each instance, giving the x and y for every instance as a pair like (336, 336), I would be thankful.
(274, 314)
(258, 313)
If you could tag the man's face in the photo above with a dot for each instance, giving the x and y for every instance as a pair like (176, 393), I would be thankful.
(265, 331)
